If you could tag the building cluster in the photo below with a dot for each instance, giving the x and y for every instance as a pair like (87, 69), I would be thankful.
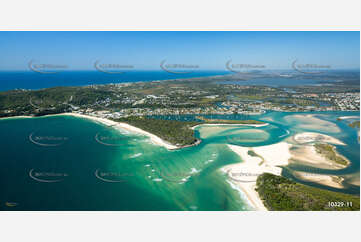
(325, 102)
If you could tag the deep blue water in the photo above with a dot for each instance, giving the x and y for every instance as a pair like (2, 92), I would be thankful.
(10, 80)
(34, 80)
(275, 82)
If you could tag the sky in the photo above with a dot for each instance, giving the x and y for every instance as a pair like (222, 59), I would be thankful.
(209, 50)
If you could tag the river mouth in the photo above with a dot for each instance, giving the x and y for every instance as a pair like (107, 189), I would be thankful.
(123, 168)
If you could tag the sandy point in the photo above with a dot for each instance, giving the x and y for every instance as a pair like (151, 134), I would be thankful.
(308, 137)
(256, 161)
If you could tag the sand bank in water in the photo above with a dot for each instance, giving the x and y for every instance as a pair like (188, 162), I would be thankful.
(305, 152)
(348, 117)
(155, 139)
(269, 158)
(256, 160)
(249, 125)
(311, 122)
(328, 180)
(308, 155)
(310, 137)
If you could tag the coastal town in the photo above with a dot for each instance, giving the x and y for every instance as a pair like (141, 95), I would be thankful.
(335, 101)
(185, 97)
(330, 101)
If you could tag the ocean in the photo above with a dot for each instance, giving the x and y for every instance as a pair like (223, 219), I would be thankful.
(10, 80)
(68, 163)
(33, 80)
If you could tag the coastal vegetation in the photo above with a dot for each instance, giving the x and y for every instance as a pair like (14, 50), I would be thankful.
(175, 132)
(179, 133)
(198, 96)
(329, 151)
(135, 103)
(282, 194)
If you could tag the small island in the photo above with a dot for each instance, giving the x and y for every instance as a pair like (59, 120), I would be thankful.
(329, 152)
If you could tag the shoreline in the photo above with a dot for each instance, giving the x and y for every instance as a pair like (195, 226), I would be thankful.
(244, 174)
(126, 82)
(255, 160)
(220, 124)
(110, 123)
(312, 137)
(15, 117)
(347, 117)
(323, 179)
(155, 139)
(271, 159)
(305, 152)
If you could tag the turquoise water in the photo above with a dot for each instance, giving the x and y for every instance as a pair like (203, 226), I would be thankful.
(68, 163)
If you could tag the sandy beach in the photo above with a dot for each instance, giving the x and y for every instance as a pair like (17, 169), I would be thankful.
(245, 174)
(328, 180)
(270, 158)
(249, 125)
(15, 117)
(307, 155)
(312, 122)
(348, 117)
(262, 159)
(155, 139)
(305, 152)
(309, 137)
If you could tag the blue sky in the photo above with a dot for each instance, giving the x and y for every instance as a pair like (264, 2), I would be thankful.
(209, 50)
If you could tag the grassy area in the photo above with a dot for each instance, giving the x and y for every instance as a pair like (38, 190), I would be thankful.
(330, 153)
(226, 121)
(281, 194)
(175, 132)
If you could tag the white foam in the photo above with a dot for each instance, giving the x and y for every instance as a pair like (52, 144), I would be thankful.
(186, 178)
(194, 170)
(136, 155)
(240, 192)
(288, 132)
